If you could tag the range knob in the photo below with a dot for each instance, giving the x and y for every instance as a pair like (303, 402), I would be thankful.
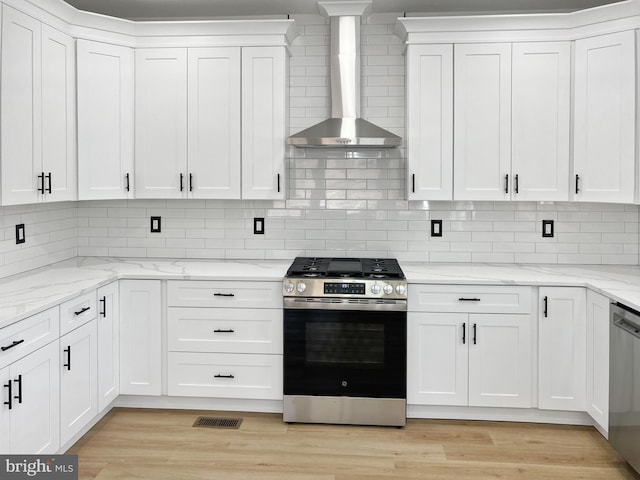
(301, 287)
(289, 287)
(401, 289)
(376, 289)
(388, 289)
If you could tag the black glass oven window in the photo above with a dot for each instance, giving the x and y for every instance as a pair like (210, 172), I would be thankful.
(340, 343)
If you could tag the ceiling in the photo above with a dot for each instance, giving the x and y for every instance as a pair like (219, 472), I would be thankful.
(194, 9)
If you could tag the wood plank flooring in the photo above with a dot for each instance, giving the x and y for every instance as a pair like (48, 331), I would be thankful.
(163, 445)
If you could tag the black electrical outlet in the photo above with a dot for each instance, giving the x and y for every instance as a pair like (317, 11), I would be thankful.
(258, 226)
(436, 228)
(156, 224)
(20, 238)
(547, 228)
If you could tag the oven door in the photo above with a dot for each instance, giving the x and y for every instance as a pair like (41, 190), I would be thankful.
(345, 352)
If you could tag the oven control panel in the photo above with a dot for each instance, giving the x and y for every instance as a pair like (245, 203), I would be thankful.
(299, 287)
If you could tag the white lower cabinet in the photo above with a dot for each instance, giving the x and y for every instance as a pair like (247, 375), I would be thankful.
(469, 359)
(230, 375)
(140, 337)
(597, 401)
(108, 347)
(562, 348)
(32, 391)
(78, 380)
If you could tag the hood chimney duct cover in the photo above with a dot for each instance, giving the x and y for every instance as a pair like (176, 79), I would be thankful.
(345, 127)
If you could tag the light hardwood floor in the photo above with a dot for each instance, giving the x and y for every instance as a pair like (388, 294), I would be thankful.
(163, 445)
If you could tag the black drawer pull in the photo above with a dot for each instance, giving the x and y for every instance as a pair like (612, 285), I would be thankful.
(10, 399)
(464, 299)
(546, 307)
(128, 186)
(68, 352)
(81, 311)
(41, 179)
(224, 295)
(219, 330)
(15, 342)
(464, 333)
(19, 395)
(475, 332)
(223, 376)
(49, 187)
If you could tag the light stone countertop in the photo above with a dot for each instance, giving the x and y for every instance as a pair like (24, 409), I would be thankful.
(32, 292)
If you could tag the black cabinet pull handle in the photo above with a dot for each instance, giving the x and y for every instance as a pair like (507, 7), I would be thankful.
(181, 182)
(128, 186)
(41, 181)
(475, 332)
(15, 342)
(191, 182)
(219, 330)
(464, 333)
(516, 186)
(278, 183)
(577, 183)
(68, 352)
(19, 382)
(506, 183)
(10, 398)
(464, 299)
(224, 295)
(49, 187)
(546, 306)
(82, 310)
(103, 301)
(223, 376)
(413, 183)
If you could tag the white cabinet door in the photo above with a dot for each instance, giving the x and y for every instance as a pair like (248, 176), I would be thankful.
(605, 122)
(264, 128)
(21, 108)
(562, 348)
(105, 121)
(482, 121)
(59, 160)
(541, 93)
(214, 122)
(78, 379)
(140, 337)
(161, 123)
(5, 412)
(437, 358)
(35, 413)
(500, 360)
(430, 122)
(108, 347)
(598, 358)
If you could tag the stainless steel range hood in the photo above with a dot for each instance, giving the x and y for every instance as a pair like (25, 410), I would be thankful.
(345, 128)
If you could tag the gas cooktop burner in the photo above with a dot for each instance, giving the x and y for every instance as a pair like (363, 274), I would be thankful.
(387, 268)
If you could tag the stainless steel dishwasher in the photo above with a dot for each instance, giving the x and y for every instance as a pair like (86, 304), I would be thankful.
(624, 378)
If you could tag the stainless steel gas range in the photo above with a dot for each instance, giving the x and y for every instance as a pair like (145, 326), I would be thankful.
(345, 345)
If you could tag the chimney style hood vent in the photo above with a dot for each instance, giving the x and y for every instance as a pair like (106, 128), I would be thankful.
(345, 128)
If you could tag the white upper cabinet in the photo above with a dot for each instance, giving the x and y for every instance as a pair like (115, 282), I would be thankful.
(605, 118)
(264, 128)
(430, 122)
(38, 111)
(482, 121)
(540, 136)
(214, 122)
(161, 122)
(105, 121)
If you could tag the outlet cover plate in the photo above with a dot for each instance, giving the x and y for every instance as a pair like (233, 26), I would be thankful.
(20, 236)
(156, 224)
(547, 228)
(258, 226)
(436, 228)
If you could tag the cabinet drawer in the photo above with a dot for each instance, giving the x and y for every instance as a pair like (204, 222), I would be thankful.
(77, 311)
(225, 375)
(193, 293)
(28, 335)
(470, 298)
(225, 330)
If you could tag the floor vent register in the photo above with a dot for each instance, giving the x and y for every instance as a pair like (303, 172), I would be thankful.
(217, 422)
